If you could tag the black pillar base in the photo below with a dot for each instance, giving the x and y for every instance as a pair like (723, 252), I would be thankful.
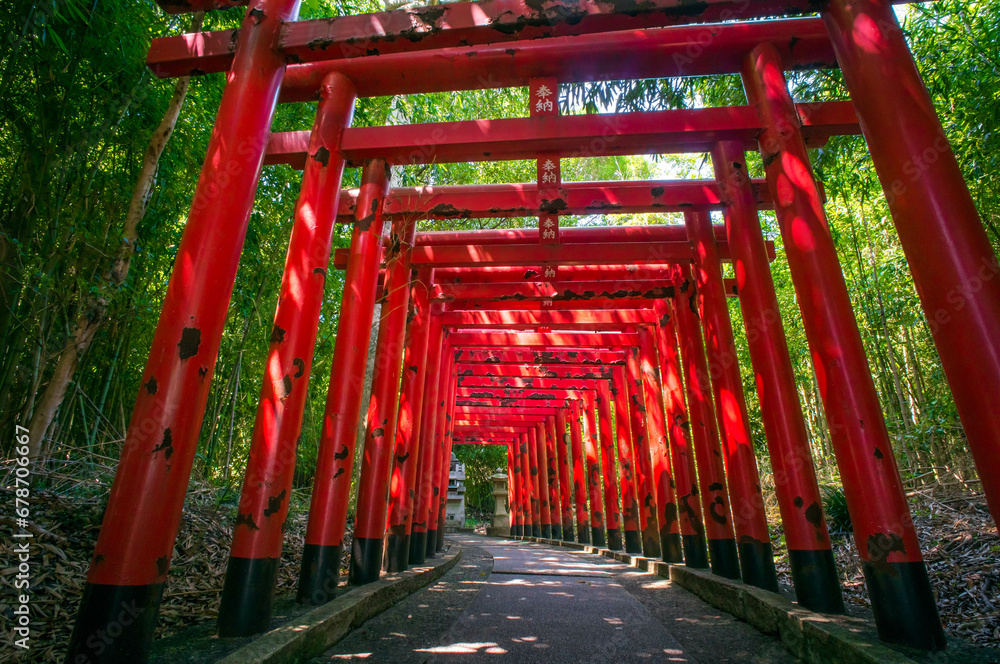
(320, 574)
(615, 539)
(557, 531)
(536, 531)
(115, 623)
(673, 550)
(397, 552)
(430, 550)
(366, 560)
(583, 535)
(418, 547)
(567, 532)
(633, 542)
(695, 554)
(903, 604)
(440, 534)
(247, 595)
(757, 564)
(546, 531)
(814, 575)
(597, 536)
(515, 531)
(651, 543)
(725, 559)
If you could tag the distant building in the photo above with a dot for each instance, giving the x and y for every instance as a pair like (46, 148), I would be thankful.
(455, 509)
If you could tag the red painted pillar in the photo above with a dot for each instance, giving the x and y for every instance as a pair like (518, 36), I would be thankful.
(523, 519)
(535, 476)
(579, 483)
(663, 481)
(897, 581)
(689, 512)
(562, 441)
(527, 497)
(612, 512)
(954, 267)
(439, 491)
(544, 493)
(643, 450)
(140, 524)
(623, 436)
(252, 569)
(555, 488)
(406, 456)
(334, 464)
(708, 452)
(813, 570)
(373, 486)
(753, 539)
(428, 417)
(512, 501)
(592, 471)
(445, 471)
(517, 499)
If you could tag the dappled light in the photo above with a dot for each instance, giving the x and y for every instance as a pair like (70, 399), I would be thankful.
(501, 330)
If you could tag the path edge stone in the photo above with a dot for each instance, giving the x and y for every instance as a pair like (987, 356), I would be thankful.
(812, 637)
(312, 633)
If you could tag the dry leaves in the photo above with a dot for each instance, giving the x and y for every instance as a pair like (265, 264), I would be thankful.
(962, 551)
(61, 555)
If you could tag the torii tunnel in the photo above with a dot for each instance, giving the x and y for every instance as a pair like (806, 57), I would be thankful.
(602, 357)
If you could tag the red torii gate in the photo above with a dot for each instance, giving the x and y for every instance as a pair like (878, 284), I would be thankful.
(505, 44)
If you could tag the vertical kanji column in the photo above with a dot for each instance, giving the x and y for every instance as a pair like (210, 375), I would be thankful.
(612, 512)
(810, 556)
(623, 437)
(552, 471)
(753, 539)
(576, 427)
(448, 442)
(252, 569)
(402, 483)
(689, 512)
(543, 101)
(132, 555)
(535, 474)
(562, 442)
(954, 267)
(373, 490)
(708, 452)
(335, 461)
(659, 447)
(642, 448)
(423, 483)
(897, 580)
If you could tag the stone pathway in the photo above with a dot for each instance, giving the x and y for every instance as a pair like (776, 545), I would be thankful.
(513, 601)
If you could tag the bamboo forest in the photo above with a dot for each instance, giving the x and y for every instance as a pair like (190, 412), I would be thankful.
(116, 119)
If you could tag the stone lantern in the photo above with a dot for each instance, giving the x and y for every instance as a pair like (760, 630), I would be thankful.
(501, 520)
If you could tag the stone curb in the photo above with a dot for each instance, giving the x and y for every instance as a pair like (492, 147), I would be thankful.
(812, 637)
(312, 633)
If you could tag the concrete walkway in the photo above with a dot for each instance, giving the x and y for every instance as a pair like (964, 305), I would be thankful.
(512, 601)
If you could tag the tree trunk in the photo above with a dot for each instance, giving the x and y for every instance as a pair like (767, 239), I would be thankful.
(92, 314)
